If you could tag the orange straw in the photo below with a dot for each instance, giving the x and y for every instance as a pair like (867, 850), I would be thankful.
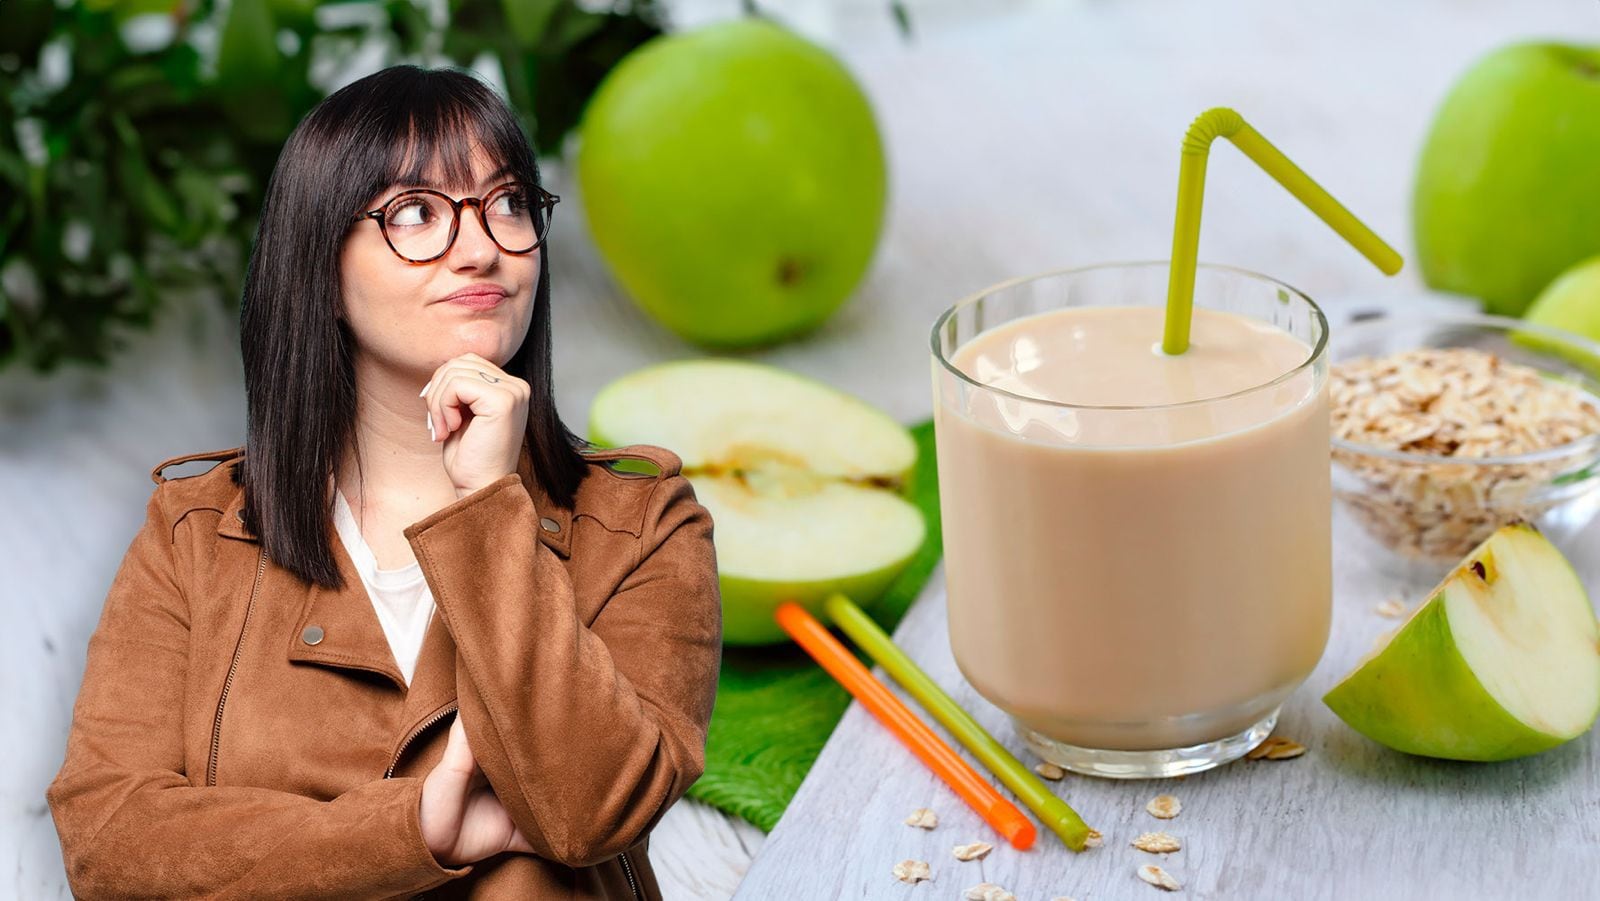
(945, 763)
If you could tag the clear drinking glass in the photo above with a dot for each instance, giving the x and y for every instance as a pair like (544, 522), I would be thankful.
(1138, 587)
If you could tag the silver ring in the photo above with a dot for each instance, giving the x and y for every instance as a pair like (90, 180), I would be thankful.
(487, 377)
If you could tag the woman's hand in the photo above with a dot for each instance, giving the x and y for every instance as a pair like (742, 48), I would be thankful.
(462, 819)
(481, 422)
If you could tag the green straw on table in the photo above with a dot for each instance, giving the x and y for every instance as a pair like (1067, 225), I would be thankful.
(1051, 810)
(1222, 122)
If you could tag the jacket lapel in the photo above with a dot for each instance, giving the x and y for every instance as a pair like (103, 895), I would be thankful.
(338, 627)
(433, 684)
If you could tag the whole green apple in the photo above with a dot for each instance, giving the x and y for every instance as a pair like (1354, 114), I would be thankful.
(734, 181)
(1571, 303)
(1508, 185)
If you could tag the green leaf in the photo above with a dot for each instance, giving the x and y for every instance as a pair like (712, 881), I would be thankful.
(140, 183)
(13, 171)
(203, 203)
(27, 23)
(561, 82)
(528, 19)
(127, 9)
(574, 26)
(181, 66)
(296, 13)
(409, 24)
(902, 18)
(248, 52)
(9, 220)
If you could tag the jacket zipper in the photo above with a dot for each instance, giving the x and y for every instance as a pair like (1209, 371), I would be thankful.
(426, 724)
(627, 870)
(233, 667)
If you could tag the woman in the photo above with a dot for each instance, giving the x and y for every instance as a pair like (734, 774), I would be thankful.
(413, 636)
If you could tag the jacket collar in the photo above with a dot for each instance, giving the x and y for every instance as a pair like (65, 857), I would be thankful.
(555, 521)
(339, 627)
(348, 635)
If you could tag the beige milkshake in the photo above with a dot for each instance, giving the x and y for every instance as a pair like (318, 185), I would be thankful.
(1145, 578)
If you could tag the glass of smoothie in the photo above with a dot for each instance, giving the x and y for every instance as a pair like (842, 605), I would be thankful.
(1137, 544)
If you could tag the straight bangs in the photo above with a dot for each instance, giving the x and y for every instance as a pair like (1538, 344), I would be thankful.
(428, 139)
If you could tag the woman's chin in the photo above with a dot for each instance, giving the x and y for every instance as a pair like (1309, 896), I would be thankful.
(488, 339)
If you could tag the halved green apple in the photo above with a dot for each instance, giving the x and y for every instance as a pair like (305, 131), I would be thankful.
(805, 483)
(1502, 661)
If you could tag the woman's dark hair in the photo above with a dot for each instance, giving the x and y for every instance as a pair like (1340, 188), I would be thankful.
(388, 128)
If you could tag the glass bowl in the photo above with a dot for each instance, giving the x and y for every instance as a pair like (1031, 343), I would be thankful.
(1422, 512)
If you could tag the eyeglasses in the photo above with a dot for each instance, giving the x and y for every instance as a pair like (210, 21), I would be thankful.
(420, 225)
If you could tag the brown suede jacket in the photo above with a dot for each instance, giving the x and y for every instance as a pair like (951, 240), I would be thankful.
(243, 733)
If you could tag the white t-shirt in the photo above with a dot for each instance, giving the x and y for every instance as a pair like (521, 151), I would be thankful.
(401, 597)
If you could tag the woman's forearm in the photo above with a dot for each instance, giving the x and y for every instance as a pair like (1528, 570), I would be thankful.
(128, 834)
(588, 733)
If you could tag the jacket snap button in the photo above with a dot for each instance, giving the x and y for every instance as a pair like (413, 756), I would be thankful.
(311, 635)
(549, 524)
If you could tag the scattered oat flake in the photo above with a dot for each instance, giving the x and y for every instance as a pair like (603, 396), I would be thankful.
(1159, 878)
(1163, 807)
(912, 871)
(973, 851)
(1094, 840)
(988, 891)
(1285, 750)
(1049, 771)
(1276, 748)
(1156, 842)
(1061, 898)
(1392, 608)
(922, 818)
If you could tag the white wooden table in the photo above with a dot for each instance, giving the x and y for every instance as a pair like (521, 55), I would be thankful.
(1029, 136)
(1349, 819)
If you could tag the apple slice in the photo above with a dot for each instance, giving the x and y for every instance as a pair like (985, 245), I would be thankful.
(805, 484)
(1502, 661)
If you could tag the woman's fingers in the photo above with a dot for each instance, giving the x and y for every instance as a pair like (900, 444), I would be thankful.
(462, 818)
(481, 423)
(458, 753)
(457, 388)
(445, 791)
(519, 843)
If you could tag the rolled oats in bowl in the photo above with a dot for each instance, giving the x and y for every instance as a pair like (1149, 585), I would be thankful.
(1446, 428)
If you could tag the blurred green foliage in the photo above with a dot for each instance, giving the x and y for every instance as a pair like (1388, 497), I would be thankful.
(137, 136)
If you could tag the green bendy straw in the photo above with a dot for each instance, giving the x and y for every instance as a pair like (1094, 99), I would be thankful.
(1051, 810)
(1222, 122)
